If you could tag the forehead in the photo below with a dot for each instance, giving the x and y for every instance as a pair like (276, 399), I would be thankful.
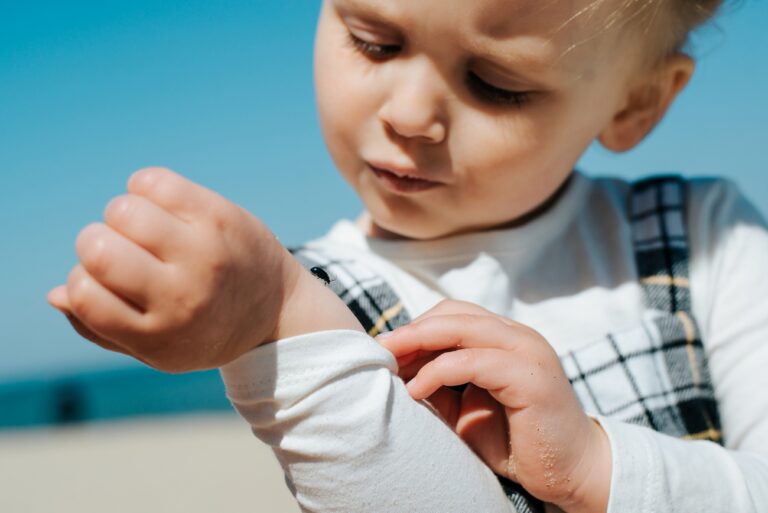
(559, 33)
(494, 18)
(505, 18)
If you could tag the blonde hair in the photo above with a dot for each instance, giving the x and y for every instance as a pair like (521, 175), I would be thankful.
(666, 24)
(680, 19)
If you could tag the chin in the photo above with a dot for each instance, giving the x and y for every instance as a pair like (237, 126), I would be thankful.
(401, 222)
(413, 231)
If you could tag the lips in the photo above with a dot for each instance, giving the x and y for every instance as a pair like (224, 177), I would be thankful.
(402, 180)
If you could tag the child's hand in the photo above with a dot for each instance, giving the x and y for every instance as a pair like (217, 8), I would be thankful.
(177, 276)
(521, 416)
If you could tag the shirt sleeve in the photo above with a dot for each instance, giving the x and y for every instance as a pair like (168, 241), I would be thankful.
(347, 434)
(653, 472)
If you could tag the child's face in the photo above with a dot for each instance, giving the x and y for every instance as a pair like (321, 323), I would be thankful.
(489, 102)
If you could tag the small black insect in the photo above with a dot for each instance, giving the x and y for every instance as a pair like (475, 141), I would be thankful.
(322, 274)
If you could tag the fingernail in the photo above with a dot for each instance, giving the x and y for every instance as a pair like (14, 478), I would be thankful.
(383, 335)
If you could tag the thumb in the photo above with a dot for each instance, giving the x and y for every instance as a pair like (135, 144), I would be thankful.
(59, 299)
(447, 403)
(482, 424)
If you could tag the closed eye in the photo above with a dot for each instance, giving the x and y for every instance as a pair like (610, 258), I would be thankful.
(496, 95)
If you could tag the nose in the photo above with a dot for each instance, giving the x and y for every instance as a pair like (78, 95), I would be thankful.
(414, 108)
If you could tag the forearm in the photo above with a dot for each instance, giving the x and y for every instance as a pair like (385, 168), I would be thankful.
(308, 306)
(348, 435)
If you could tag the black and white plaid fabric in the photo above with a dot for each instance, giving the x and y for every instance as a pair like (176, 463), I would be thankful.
(655, 375)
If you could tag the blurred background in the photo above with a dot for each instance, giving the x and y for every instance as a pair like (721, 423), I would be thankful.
(222, 92)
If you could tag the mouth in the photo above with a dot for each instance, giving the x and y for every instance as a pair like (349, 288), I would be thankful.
(402, 180)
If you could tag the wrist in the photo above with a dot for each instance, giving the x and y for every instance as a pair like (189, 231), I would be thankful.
(262, 294)
(593, 478)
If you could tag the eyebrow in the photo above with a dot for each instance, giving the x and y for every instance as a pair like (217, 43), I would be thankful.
(363, 8)
(512, 55)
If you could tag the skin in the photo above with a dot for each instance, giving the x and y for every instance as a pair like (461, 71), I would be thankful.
(182, 279)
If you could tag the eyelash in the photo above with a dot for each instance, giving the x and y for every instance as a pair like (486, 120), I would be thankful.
(478, 86)
(496, 95)
(372, 50)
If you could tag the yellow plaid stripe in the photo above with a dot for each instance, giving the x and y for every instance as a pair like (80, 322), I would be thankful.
(690, 337)
(385, 316)
(666, 281)
(708, 434)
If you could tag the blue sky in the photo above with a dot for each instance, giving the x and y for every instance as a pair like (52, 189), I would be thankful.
(222, 91)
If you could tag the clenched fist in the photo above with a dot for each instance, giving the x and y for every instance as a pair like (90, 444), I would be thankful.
(182, 279)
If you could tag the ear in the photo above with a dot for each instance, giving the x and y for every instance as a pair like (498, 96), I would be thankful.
(646, 103)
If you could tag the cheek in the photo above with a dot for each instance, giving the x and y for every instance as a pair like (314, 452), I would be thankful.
(523, 160)
(542, 139)
(344, 107)
(492, 150)
(329, 80)
(341, 122)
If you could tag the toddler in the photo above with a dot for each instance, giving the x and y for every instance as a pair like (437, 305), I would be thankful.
(581, 344)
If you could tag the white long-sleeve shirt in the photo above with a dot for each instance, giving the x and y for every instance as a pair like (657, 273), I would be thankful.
(350, 438)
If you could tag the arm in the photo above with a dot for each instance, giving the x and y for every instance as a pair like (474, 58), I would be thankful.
(182, 279)
(341, 423)
(348, 435)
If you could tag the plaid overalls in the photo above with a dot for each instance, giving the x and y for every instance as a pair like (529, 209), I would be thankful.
(655, 375)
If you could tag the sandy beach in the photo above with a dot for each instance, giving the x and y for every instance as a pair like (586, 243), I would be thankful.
(190, 464)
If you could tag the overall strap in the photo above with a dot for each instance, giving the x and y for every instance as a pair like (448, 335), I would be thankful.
(657, 212)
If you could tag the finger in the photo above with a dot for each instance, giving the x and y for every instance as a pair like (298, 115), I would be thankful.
(447, 403)
(406, 360)
(87, 334)
(452, 306)
(415, 361)
(151, 227)
(482, 424)
(492, 369)
(100, 310)
(58, 299)
(121, 266)
(172, 192)
(408, 371)
(454, 331)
